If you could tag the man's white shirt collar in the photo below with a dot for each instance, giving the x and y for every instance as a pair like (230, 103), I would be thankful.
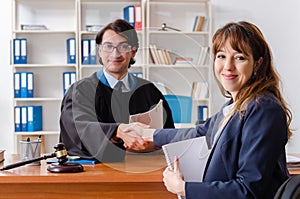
(113, 81)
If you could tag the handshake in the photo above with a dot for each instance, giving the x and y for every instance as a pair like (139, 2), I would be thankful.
(136, 136)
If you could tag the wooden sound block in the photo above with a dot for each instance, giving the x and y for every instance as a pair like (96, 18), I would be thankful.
(65, 168)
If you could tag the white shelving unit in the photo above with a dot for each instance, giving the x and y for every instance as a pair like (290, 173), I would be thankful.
(46, 49)
(178, 79)
(46, 54)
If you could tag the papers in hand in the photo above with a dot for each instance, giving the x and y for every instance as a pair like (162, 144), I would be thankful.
(192, 155)
(153, 117)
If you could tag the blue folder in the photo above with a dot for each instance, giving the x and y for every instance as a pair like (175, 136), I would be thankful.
(71, 51)
(24, 118)
(17, 51)
(17, 116)
(85, 51)
(34, 118)
(27, 84)
(128, 14)
(93, 52)
(23, 51)
(79, 160)
(17, 85)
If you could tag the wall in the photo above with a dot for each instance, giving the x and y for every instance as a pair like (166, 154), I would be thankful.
(278, 20)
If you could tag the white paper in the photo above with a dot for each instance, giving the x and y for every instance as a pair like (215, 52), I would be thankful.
(192, 156)
(153, 117)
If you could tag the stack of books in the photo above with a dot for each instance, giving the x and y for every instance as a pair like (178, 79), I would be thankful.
(160, 56)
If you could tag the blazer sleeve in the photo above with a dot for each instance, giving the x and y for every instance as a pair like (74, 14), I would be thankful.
(165, 136)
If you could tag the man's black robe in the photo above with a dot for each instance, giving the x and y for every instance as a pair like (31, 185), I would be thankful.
(91, 112)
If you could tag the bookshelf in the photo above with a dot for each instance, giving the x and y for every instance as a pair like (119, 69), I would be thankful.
(46, 49)
(186, 43)
(46, 58)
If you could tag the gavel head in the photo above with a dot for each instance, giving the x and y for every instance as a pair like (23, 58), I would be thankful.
(61, 153)
(163, 26)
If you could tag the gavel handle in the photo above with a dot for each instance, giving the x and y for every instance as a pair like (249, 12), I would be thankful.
(21, 163)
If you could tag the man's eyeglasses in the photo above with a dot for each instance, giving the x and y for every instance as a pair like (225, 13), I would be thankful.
(122, 48)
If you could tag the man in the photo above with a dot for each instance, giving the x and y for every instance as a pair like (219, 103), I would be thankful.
(95, 110)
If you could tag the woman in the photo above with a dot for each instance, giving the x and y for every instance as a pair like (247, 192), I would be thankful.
(248, 136)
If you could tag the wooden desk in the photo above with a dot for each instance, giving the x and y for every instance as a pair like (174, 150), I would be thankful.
(140, 176)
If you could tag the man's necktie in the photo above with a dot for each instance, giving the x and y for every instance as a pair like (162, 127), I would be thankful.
(119, 86)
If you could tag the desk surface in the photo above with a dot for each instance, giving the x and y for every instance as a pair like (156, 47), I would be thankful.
(139, 176)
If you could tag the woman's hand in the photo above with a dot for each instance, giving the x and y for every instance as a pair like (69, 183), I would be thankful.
(132, 134)
(173, 179)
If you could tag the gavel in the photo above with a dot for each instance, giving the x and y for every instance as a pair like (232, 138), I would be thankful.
(62, 166)
(164, 27)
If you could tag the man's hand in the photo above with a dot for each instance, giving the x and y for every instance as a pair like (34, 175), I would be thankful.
(132, 135)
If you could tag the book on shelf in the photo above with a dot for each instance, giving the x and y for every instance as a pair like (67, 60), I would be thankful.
(192, 156)
(162, 57)
(152, 53)
(153, 117)
(159, 55)
(33, 27)
(199, 23)
(203, 55)
(183, 60)
(199, 90)
(2, 155)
